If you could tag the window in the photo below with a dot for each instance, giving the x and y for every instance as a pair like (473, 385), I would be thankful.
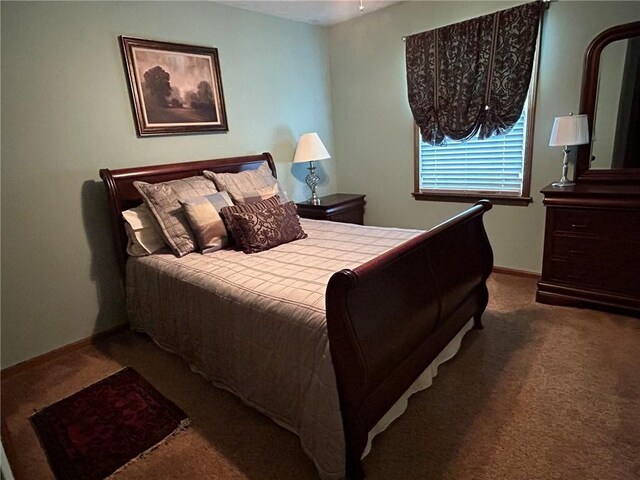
(497, 168)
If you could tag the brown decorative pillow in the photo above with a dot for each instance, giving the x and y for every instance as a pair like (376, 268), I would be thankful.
(265, 229)
(163, 199)
(226, 213)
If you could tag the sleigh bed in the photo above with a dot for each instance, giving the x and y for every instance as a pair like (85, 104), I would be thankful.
(335, 363)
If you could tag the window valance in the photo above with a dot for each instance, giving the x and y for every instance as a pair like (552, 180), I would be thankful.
(473, 76)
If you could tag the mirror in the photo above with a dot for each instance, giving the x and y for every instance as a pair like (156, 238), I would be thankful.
(611, 100)
(615, 134)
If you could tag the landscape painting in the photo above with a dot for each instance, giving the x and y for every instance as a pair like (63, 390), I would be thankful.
(175, 88)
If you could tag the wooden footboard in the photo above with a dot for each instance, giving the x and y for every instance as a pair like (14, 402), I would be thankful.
(389, 318)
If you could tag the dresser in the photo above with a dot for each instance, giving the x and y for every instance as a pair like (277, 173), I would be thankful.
(592, 230)
(591, 246)
(338, 207)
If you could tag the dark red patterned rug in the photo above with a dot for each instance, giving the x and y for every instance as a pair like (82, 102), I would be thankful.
(97, 430)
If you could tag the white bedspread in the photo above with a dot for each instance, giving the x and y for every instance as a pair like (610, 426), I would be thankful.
(255, 324)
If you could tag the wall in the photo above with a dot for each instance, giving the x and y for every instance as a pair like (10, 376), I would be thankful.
(374, 128)
(67, 113)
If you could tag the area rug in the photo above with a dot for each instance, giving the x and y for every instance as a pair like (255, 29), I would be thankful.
(96, 431)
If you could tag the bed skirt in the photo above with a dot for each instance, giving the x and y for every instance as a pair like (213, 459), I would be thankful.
(424, 381)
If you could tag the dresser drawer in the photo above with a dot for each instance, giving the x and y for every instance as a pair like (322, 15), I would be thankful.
(619, 251)
(603, 277)
(597, 222)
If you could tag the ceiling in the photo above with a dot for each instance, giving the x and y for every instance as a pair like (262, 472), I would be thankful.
(317, 12)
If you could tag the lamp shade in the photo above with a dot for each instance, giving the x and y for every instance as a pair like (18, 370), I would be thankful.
(310, 149)
(569, 130)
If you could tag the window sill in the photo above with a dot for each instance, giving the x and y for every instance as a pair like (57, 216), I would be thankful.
(472, 198)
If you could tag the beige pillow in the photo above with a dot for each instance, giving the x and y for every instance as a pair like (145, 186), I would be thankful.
(205, 221)
(163, 199)
(254, 196)
(237, 184)
(143, 234)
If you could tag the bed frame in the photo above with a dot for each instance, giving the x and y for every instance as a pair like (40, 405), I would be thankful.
(387, 319)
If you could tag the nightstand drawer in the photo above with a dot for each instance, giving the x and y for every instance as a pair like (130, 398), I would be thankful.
(353, 216)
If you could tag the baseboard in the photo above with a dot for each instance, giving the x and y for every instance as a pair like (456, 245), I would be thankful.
(516, 273)
(58, 352)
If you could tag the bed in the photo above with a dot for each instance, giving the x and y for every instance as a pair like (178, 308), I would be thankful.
(328, 335)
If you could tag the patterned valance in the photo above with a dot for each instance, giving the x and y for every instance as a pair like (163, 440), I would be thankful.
(472, 76)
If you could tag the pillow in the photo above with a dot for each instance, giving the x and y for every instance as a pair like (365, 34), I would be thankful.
(248, 181)
(206, 223)
(163, 199)
(265, 229)
(143, 234)
(254, 196)
(226, 212)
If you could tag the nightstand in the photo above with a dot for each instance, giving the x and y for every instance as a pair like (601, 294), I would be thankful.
(339, 207)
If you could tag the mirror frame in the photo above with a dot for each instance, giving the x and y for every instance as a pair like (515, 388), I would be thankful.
(588, 99)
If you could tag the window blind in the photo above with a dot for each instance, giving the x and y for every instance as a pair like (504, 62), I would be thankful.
(492, 165)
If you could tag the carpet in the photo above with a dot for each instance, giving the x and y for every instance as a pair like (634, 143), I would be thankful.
(542, 393)
(98, 430)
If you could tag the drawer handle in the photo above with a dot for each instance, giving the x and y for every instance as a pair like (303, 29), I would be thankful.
(579, 252)
(574, 277)
(578, 225)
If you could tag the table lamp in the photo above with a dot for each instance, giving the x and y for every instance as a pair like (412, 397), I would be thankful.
(310, 149)
(568, 131)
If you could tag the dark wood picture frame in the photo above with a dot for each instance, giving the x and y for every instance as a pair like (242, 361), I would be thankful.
(174, 88)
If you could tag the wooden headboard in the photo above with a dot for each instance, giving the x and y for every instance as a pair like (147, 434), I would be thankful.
(122, 195)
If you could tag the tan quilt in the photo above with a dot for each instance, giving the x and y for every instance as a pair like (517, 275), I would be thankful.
(255, 324)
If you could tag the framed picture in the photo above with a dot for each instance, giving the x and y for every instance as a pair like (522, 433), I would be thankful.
(175, 88)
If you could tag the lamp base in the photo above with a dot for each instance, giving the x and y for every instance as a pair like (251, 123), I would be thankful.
(563, 183)
(314, 200)
(313, 180)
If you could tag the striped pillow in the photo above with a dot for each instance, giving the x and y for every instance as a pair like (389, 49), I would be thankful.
(258, 195)
(206, 223)
(163, 199)
(246, 181)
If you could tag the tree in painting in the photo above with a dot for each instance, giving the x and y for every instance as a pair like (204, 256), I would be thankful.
(204, 97)
(157, 86)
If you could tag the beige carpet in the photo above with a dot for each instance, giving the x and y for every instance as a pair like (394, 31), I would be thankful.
(541, 393)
